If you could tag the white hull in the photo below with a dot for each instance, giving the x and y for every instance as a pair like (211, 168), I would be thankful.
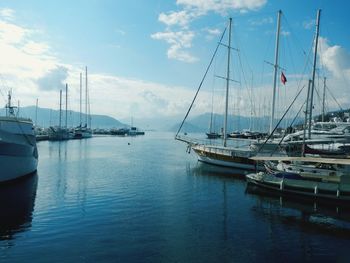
(226, 163)
(333, 191)
(227, 157)
(18, 152)
(13, 167)
(82, 133)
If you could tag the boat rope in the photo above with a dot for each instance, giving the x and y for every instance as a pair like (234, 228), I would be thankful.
(291, 125)
(201, 83)
(285, 113)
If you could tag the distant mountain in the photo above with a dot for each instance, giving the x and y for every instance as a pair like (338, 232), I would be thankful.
(235, 123)
(48, 117)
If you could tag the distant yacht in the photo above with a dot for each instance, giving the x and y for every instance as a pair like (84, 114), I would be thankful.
(84, 131)
(18, 151)
(59, 133)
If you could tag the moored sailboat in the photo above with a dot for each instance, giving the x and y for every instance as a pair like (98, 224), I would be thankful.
(84, 131)
(225, 155)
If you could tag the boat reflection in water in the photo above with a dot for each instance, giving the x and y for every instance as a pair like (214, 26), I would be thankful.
(16, 205)
(321, 216)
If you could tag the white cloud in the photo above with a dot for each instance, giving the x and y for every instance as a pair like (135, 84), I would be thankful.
(120, 32)
(309, 24)
(335, 58)
(181, 18)
(262, 21)
(179, 42)
(7, 13)
(222, 6)
(191, 10)
(145, 99)
(285, 33)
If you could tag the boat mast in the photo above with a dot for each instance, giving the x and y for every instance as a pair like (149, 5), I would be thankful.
(324, 97)
(227, 82)
(36, 112)
(306, 116)
(275, 70)
(314, 69)
(81, 77)
(66, 105)
(86, 96)
(60, 119)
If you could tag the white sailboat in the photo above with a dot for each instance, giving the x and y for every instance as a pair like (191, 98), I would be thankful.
(59, 133)
(18, 151)
(225, 155)
(84, 131)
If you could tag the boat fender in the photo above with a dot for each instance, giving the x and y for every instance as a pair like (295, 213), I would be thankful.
(188, 150)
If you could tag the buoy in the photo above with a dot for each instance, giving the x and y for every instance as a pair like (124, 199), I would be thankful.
(128, 143)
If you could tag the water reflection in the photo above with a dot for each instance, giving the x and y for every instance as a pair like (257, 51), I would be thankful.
(204, 169)
(16, 205)
(309, 215)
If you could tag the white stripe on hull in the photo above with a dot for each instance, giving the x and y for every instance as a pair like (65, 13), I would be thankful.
(13, 167)
(226, 163)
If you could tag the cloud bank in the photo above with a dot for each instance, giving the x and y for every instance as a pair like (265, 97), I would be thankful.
(178, 34)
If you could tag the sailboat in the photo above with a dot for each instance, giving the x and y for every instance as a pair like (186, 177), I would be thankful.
(60, 133)
(212, 134)
(84, 131)
(225, 155)
(18, 151)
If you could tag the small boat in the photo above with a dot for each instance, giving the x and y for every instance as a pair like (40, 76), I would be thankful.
(296, 184)
(18, 150)
(213, 135)
(135, 131)
(119, 132)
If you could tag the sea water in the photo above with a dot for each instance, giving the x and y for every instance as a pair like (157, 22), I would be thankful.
(145, 199)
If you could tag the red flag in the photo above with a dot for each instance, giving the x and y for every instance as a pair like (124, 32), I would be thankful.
(283, 78)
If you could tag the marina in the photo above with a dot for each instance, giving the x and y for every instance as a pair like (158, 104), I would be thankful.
(136, 163)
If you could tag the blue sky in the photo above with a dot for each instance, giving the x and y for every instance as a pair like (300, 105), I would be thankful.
(146, 58)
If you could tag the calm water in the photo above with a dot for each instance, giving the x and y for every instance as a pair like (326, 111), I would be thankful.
(104, 200)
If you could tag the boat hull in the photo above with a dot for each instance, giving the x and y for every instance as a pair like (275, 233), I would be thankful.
(310, 189)
(18, 151)
(226, 157)
(14, 167)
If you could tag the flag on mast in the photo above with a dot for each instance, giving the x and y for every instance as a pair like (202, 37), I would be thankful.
(283, 78)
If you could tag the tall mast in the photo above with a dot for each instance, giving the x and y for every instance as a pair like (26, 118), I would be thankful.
(306, 116)
(81, 78)
(36, 112)
(324, 98)
(227, 82)
(86, 97)
(275, 70)
(66, 105)
(60, 119)
(314, 69)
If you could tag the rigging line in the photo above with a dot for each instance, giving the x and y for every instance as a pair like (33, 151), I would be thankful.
(270, 135)
(293, 33)
(246, 85)
(201, 83)
(334, 98)
(4, 84)
(291, 124)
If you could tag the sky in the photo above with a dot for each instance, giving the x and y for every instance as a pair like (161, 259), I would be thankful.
(146, 59)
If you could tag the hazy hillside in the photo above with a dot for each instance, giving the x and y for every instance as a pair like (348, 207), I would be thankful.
(48, 117)
(235, 123)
